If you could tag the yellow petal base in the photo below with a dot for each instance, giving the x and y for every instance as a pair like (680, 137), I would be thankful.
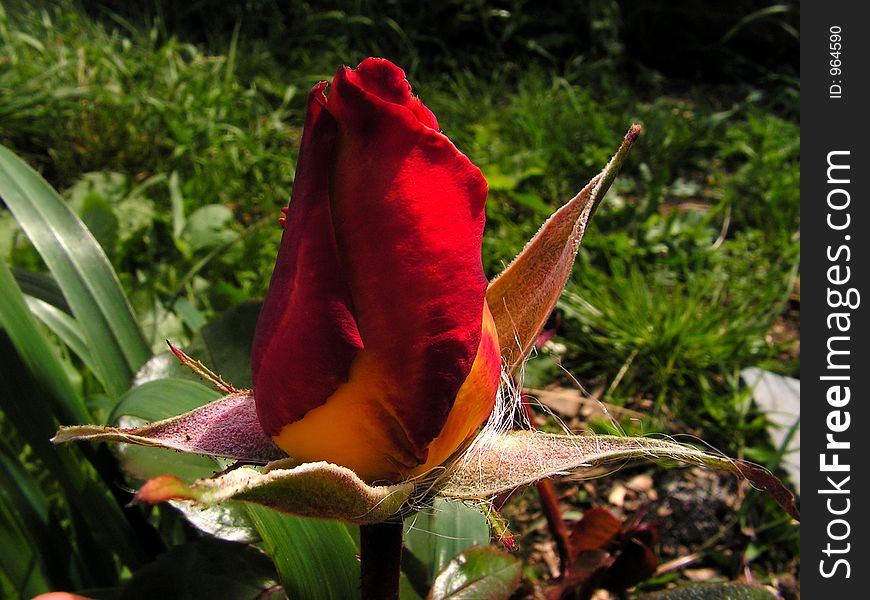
(371, 441)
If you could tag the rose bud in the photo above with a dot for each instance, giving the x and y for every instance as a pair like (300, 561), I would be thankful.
(375, 348)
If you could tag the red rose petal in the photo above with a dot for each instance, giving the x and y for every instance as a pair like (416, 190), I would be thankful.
(306, 337)
(408, 214)
(386, 81)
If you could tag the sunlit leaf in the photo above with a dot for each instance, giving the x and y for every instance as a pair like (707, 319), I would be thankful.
(209, 226)
(64, 327)
(478, 573)
(522, 297)
(439, 532)
(80, 268)
(163, 399)
(315, 558)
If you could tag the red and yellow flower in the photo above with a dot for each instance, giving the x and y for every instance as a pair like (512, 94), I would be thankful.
(376, 349)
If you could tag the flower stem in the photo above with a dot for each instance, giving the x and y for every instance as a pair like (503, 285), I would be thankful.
(380, 558)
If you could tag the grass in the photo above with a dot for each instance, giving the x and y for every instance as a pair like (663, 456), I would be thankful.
(177, 150)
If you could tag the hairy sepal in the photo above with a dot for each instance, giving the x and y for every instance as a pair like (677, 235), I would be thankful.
(317, 489)
(512, 459)
(522, 297)
(227, 427)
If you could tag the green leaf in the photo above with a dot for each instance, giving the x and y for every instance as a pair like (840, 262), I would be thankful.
(98, 216)
(64, 327)
(136, 215)
(82, 270)
(29, 402)
(177, 200)
(532, 201)
(39, 395)
(315, 558)
(109, 185)
(189, 314)
(713, 591)
(142, 463)
(20, 560)
(42, 286)
(223, 345)
(439, 532)
(9, 234)
(163, 398)
(478, 573)
(406, 589)
(230, 521)
(163, 365)
(37, 354)
(227, 342)
(210, 226)
(206, 568)
(35, 552)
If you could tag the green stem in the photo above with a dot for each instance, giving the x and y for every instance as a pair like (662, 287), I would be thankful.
(380, 560)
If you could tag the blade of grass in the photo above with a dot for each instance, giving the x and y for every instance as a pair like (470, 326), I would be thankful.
(36, 395)
(315, 558)
(19, 555)
(36, 353)
(80, 268)
(103, 522)
(177, 200)
(42, 286)
(53, 555)
(64, 327)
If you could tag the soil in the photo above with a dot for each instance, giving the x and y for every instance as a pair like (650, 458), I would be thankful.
(696, 510)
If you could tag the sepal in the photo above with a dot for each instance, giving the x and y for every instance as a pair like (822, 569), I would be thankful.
(227, 427)
(317, 489)
(522, 297)
(515, 458)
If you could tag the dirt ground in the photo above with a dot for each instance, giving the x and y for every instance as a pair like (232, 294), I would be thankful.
(695, 510)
